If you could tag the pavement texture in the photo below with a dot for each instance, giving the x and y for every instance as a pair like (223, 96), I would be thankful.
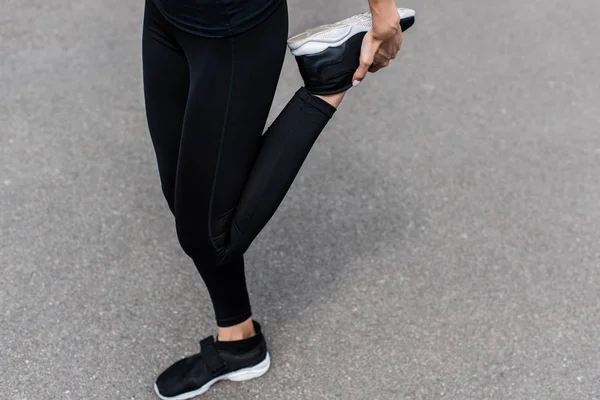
(442, 240)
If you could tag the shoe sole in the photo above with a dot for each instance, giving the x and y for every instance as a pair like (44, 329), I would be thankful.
(243, 374)
(318, 39)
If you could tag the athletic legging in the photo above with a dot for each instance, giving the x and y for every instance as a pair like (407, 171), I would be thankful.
(207, 102)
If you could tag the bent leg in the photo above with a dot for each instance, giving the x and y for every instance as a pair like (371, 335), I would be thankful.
(286, 145)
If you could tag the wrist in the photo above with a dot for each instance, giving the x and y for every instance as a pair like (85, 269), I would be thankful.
(386, 21)
(382, 8)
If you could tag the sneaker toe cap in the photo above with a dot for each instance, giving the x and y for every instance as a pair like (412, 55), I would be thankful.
(179, 378)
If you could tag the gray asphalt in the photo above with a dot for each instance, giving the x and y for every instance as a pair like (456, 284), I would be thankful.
(442, 240)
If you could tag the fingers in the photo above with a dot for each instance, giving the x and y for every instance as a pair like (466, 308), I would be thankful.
(387, 52)
(377, 66)
(380, 61)
(361, 72)
(375, 55)
(398, 43)
(367, 55)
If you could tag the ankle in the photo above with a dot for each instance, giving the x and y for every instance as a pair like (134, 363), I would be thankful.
(333, 99)
(244, 330)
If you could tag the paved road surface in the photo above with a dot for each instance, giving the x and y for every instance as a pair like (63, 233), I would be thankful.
(441, 242)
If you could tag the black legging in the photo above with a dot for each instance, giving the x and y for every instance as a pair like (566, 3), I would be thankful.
(207, 102)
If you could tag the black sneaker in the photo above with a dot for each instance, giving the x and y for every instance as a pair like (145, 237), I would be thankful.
(329, 55)
(216, 361)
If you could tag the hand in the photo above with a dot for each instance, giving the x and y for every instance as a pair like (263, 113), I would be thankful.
(381, 44)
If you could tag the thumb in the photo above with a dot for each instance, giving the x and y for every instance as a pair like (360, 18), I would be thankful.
(367, 54)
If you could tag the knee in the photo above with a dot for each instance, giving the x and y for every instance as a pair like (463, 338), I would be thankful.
(218, 245)
(193, 241)
(200, 247)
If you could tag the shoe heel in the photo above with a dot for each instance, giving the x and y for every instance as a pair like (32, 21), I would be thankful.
(251, 372)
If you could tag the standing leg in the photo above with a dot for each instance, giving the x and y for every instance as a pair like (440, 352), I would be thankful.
(232, 85)
(166, 83)
(166, 87)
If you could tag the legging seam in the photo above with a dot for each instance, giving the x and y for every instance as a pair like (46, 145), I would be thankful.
(221, 141)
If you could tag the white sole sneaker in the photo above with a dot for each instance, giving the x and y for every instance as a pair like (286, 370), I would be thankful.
(318, 39)
(243, 374)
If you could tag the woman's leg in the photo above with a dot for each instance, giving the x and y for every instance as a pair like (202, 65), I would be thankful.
(166, 86)
(231, 179)
(232, 84)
